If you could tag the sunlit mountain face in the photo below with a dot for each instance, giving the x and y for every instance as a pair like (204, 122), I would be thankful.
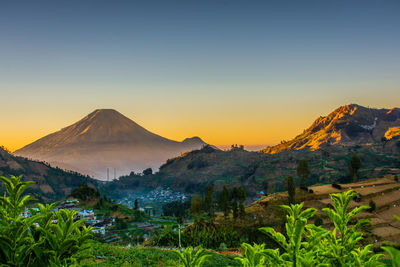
(348, 125)
(106, 139)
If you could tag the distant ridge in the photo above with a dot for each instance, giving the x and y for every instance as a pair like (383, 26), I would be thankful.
(348, 125)
(106, 139)
(51, 184)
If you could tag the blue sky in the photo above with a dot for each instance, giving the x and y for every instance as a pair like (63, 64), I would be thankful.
(183, 68)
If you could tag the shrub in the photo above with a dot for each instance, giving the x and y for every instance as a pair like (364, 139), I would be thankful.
(337, 186)
(84, 192)
(304, 188)
(372, 206)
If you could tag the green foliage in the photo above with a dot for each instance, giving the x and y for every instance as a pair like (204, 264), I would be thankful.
(235, 210)
(254, 256)
(106, 255)
(210, 235)
(190, 257)
(291, 188)
(176, 208)
(36, 241)
(242, 212)
(84, 192)
(208, 201)
(393, 252)
(372, 206)
(309, 245)
(318, 221)
(197, 205)
(242, 194)
(355, 165)
(303, 172)
(166, 237)
(148, 171)
(223, 201)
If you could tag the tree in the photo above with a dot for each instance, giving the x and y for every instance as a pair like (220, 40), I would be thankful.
(265, 186)
(291, 188)
(84, 192)
(235, 210)
(355, 165)
(303, 172)
(136, 207)
(235, 193)
(197, 204)
(223, 201)
(208, 200)
(148, 171)
(242, 211)
(242, 194)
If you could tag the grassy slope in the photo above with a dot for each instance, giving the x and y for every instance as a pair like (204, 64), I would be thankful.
(109, 255)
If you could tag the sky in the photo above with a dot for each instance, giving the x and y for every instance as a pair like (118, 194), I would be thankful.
(231, 72)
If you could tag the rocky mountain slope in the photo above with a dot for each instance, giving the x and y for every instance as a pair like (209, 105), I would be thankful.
(50, 183)
(348, 125)
(106, 139)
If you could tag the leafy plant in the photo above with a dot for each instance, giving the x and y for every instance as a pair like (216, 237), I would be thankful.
(394, 253)
(36, 241)
(192, 258)
(309, 245)
(254, 256)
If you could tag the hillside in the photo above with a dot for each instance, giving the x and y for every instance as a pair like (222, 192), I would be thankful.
(193, 171)
(106, 139)
(348, 125)
(50, 183)
(384, 192)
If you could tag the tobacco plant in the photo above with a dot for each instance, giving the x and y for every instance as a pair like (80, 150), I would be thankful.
(48, 238)
(308, 245)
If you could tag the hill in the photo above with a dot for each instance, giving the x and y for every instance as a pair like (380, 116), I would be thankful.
(106, 139)
(193, 171)
(384, 192)
(50, 183)
(348, 125)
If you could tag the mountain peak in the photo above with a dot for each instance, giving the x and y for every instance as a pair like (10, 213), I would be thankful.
(105, 139)
(347, 125)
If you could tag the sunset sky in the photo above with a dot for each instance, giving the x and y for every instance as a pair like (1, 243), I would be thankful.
(231, 72)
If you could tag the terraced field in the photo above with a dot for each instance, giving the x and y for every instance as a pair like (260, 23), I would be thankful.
(385, 192)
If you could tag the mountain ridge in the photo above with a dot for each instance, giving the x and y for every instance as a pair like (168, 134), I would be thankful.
(347, 125)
